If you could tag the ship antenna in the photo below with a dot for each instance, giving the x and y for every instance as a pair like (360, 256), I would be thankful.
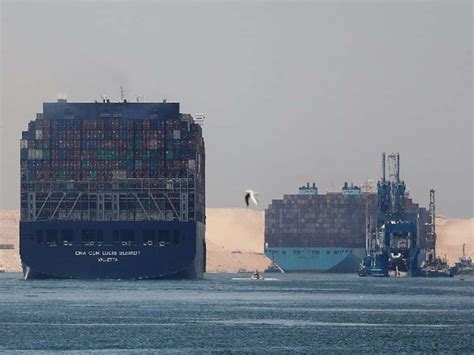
(122, 93)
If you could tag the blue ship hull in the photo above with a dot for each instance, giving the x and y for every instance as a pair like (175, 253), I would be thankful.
(343, 260)
(63, 249)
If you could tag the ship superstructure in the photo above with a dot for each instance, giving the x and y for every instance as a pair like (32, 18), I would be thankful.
(464, 266)
(112, 190)
(434, 265)
(395, 245)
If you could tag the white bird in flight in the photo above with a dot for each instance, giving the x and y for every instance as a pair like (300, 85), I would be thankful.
(251, 195)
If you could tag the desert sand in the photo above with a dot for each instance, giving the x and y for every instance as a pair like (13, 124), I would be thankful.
(9, 229)
(235, 239)
(452, 233)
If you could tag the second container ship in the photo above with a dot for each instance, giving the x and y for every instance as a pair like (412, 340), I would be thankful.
(311, 232)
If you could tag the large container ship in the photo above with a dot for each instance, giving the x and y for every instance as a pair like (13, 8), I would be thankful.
(112, 190)
(311, 232)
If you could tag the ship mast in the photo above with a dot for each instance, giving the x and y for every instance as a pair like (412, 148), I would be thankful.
(431, 235)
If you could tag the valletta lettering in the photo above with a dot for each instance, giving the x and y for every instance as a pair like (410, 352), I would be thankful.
(107, 256)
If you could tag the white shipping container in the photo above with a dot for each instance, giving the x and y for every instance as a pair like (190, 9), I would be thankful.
(34, 154)
(39, 134)
(119, 174)
(176, 134)
(24, 143)
(192, 164)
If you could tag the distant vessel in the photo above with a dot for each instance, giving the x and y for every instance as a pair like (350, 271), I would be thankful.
(274, 267)
(434, 265)
(439, 267)
(311, 232)
(464, 266)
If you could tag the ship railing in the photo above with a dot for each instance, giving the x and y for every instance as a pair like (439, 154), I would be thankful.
(163, 199)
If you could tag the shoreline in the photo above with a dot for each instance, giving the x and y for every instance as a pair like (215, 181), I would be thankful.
(235, 239)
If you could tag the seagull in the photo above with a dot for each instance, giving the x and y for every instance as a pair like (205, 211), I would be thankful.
(251, 195)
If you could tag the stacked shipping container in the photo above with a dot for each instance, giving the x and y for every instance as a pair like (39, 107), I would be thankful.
(109, 148)
(104, 142)
(333, 220)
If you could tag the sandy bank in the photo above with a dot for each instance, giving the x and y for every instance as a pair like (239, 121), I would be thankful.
(235, 239)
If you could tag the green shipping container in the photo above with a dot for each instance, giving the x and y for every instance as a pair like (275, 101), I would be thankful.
(107, 154)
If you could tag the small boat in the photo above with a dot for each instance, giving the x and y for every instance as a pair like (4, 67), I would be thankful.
(256, 276)
(464, 266)
(274, 267)
(363, 272)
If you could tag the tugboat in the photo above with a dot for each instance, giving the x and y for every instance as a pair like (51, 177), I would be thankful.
(439, 267)
(464, 266)
(274, 267)
(364, 267)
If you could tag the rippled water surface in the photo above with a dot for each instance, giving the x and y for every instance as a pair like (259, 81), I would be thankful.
(227, 312)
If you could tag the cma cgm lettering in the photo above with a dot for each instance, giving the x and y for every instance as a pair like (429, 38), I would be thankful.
(112, 190)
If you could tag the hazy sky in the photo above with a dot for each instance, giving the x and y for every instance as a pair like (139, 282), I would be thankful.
(293, 92)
